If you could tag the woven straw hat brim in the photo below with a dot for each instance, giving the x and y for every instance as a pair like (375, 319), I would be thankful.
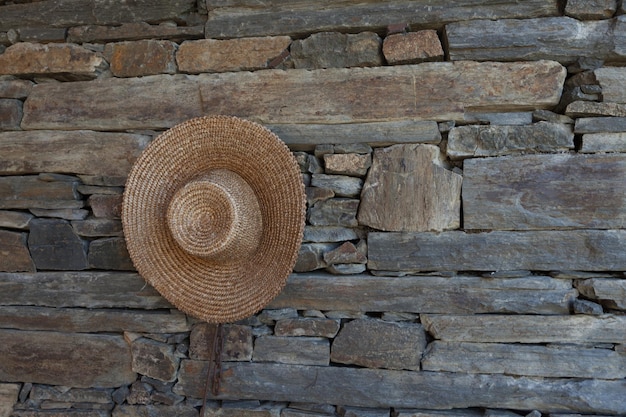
(227, 290)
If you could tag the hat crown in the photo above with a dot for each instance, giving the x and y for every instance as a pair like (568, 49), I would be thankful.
(216, 215)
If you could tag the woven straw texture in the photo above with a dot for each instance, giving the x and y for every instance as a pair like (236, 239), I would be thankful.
(194, 230)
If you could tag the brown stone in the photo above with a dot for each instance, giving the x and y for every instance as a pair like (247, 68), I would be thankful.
(154, 359)
(15, 256)
(10, 114)
(15, 88)
(292, 350)
(63, 61)
(212, 55)
(15, 219)
(140, 58)
(106, 205)
(67, 214)
(98, 227)
(352, 164)
(133, 31)
(110, 253)
(95, 360)
(334, 212)
(412, 47)
(24, 192)
(346, 253)
(316, 194)
(337, 50)
(313, 327)
(237, 342)
(408, 188)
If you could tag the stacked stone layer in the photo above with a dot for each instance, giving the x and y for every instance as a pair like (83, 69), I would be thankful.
(465, 171)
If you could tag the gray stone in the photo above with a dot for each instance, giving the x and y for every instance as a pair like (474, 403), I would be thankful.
(352, 164)
(587, 307)
(313, 327)
(346, 253)
(105, 205)
(110, 253)
(592, 109)
(600, 125)
(237, 342)
(10, 113)
(20, 220)
(180, 410)
(311, 256)
(67, 214)
(610, 292)
(341, 185)
(346, 269)
(408, 188)
(8, 397)
(334, 212)
(132, 31)
(25, 192)
(591, 9)
(139, 393)
(54, 245)
(329, 234)
(74, 395)
(378, 344)
(42, 35)
(271, 315)
(337, 50)
(363, 412)
(479, 141)
(15, 88)
(603, 142)
(551, 117)
(153, 359)
(508, 119)
(316, 194)
(292, 350)
(98, 227)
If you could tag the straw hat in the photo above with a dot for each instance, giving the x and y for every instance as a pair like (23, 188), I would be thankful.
(213, 216)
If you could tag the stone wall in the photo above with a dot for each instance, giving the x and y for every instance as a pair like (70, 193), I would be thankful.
(465, 165)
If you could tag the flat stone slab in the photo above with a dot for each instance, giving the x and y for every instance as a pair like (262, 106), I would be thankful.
(15, 254)
(292, 350)
(44, 357)
(31, 191)
(610, 292)
(430, 91)
(545, 192)
(541, 250)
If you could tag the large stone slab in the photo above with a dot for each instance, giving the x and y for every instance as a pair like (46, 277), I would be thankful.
(67, 13)
(610, 292)
(79, 289)
(545, 192)
(242, 18)
(24, 192)
(423, 294)
(379, 344)
(542, 250)
(611, 79)
(526, 328)
(131, 32)
(430, 91)
(71, 359)
(75, 151)
(15, 256)
(603, 142)
(292, 350)
(391, 388)
(563, 39)
(54, 245)
(524, 360)
(478, 141)
(409, 188)
(83, 320)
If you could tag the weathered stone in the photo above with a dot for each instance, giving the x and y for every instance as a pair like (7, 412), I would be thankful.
(329, 234)
(78, 151)
(140, 58)
(317, 194)
(313, 327)
(593, 109)
(75, 395)
(61, 413)
(561, 39)
(600, 125)
(438, 413)
(110, 253)
(95, 227)
(348, 148)
(339, 95)
(591, 9)
(237, 342)
(608, 291)
(346, 253)
(24, 192)
(378, 344)
(64, 61)
(66, 13)
(41, 35)
(541, 250)
(80, 289)
(180, 410)
(154, 359)
(337, 50)
(610, 79)
(167, 398)
(133, 31)
(229, 19)
(351, 164)
(270, 316)
(552, 117)
(67, 214)
(54, 245)
(478, 141)
(14, 250)
(139, 393)
(8, 397)
(526, 329)
(425, 294)
(524, 360)
(408, 188)
(544, 192)
(96, 360)
(15, 88)
(292, 350)
(603, 142)
(212, 55)
(341, 185)
(20, 220)
(346, 269)
(289, 412)
(363, 412)
(10, 113)
(334, 212)
(106, 206)
(311, 256)
(586, 307)
(508, 118)
(412, 47)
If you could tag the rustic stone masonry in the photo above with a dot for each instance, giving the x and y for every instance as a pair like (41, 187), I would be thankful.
(465, 169)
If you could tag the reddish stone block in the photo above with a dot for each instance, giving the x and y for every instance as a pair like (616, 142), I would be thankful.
(139, 58)
(412, 47)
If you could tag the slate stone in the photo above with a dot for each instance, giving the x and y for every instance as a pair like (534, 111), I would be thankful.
(292, 350)
(311, 256)
(508, 118)
(54, 245)
(334, 212)
(603, 142)
(15, 254)
(20, 220)
(110, 253)
(322, 234)
(337, 50)
(15, 88)
(590, 9)
(586, 307)
(346, 253)
(106, 206)
(141, 58)
(378, 344)
(154, 359)
(8, 397)
(351, 164)
(317, 194)
(237, 342)
(271, 315)
(131, 32)
(42, 35)
(346, 269)
(552, 117)
(600, 125)
(409, 188)
(593, 109)
(341, 185)
(609, 292)
(74, 395)
(313, 327)
(412, 47)
(67, 214)
(30, 191)
(180, 410)
(98, 227)
(139, 393)
(10, 113)
(213, 55)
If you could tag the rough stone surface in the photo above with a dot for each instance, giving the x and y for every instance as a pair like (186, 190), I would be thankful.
(95, 227)
(110, 253)
(140, 58)
(10, 114)
(237, 342)
(311, 256)
(15, 256)
(54, 245)
(67, 214)
(292, 350)
(313, 327)
(132, 32)
(15, 88)
(408, 188)
(346, 253)
(106, 206)
(154, 359)
(334, 212)
(341, 185)
(328, 233)
(603, 142)
(480, 141)
(608, 291)
(8, 397)
(212, 55)
(611, 79)
(63, 61)
(337, 50)
(179, 410)
(593, 109)
(352, 164)
(377, 344)
(20, 220)
(591, 9)
(31, 191)
(412, 47)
